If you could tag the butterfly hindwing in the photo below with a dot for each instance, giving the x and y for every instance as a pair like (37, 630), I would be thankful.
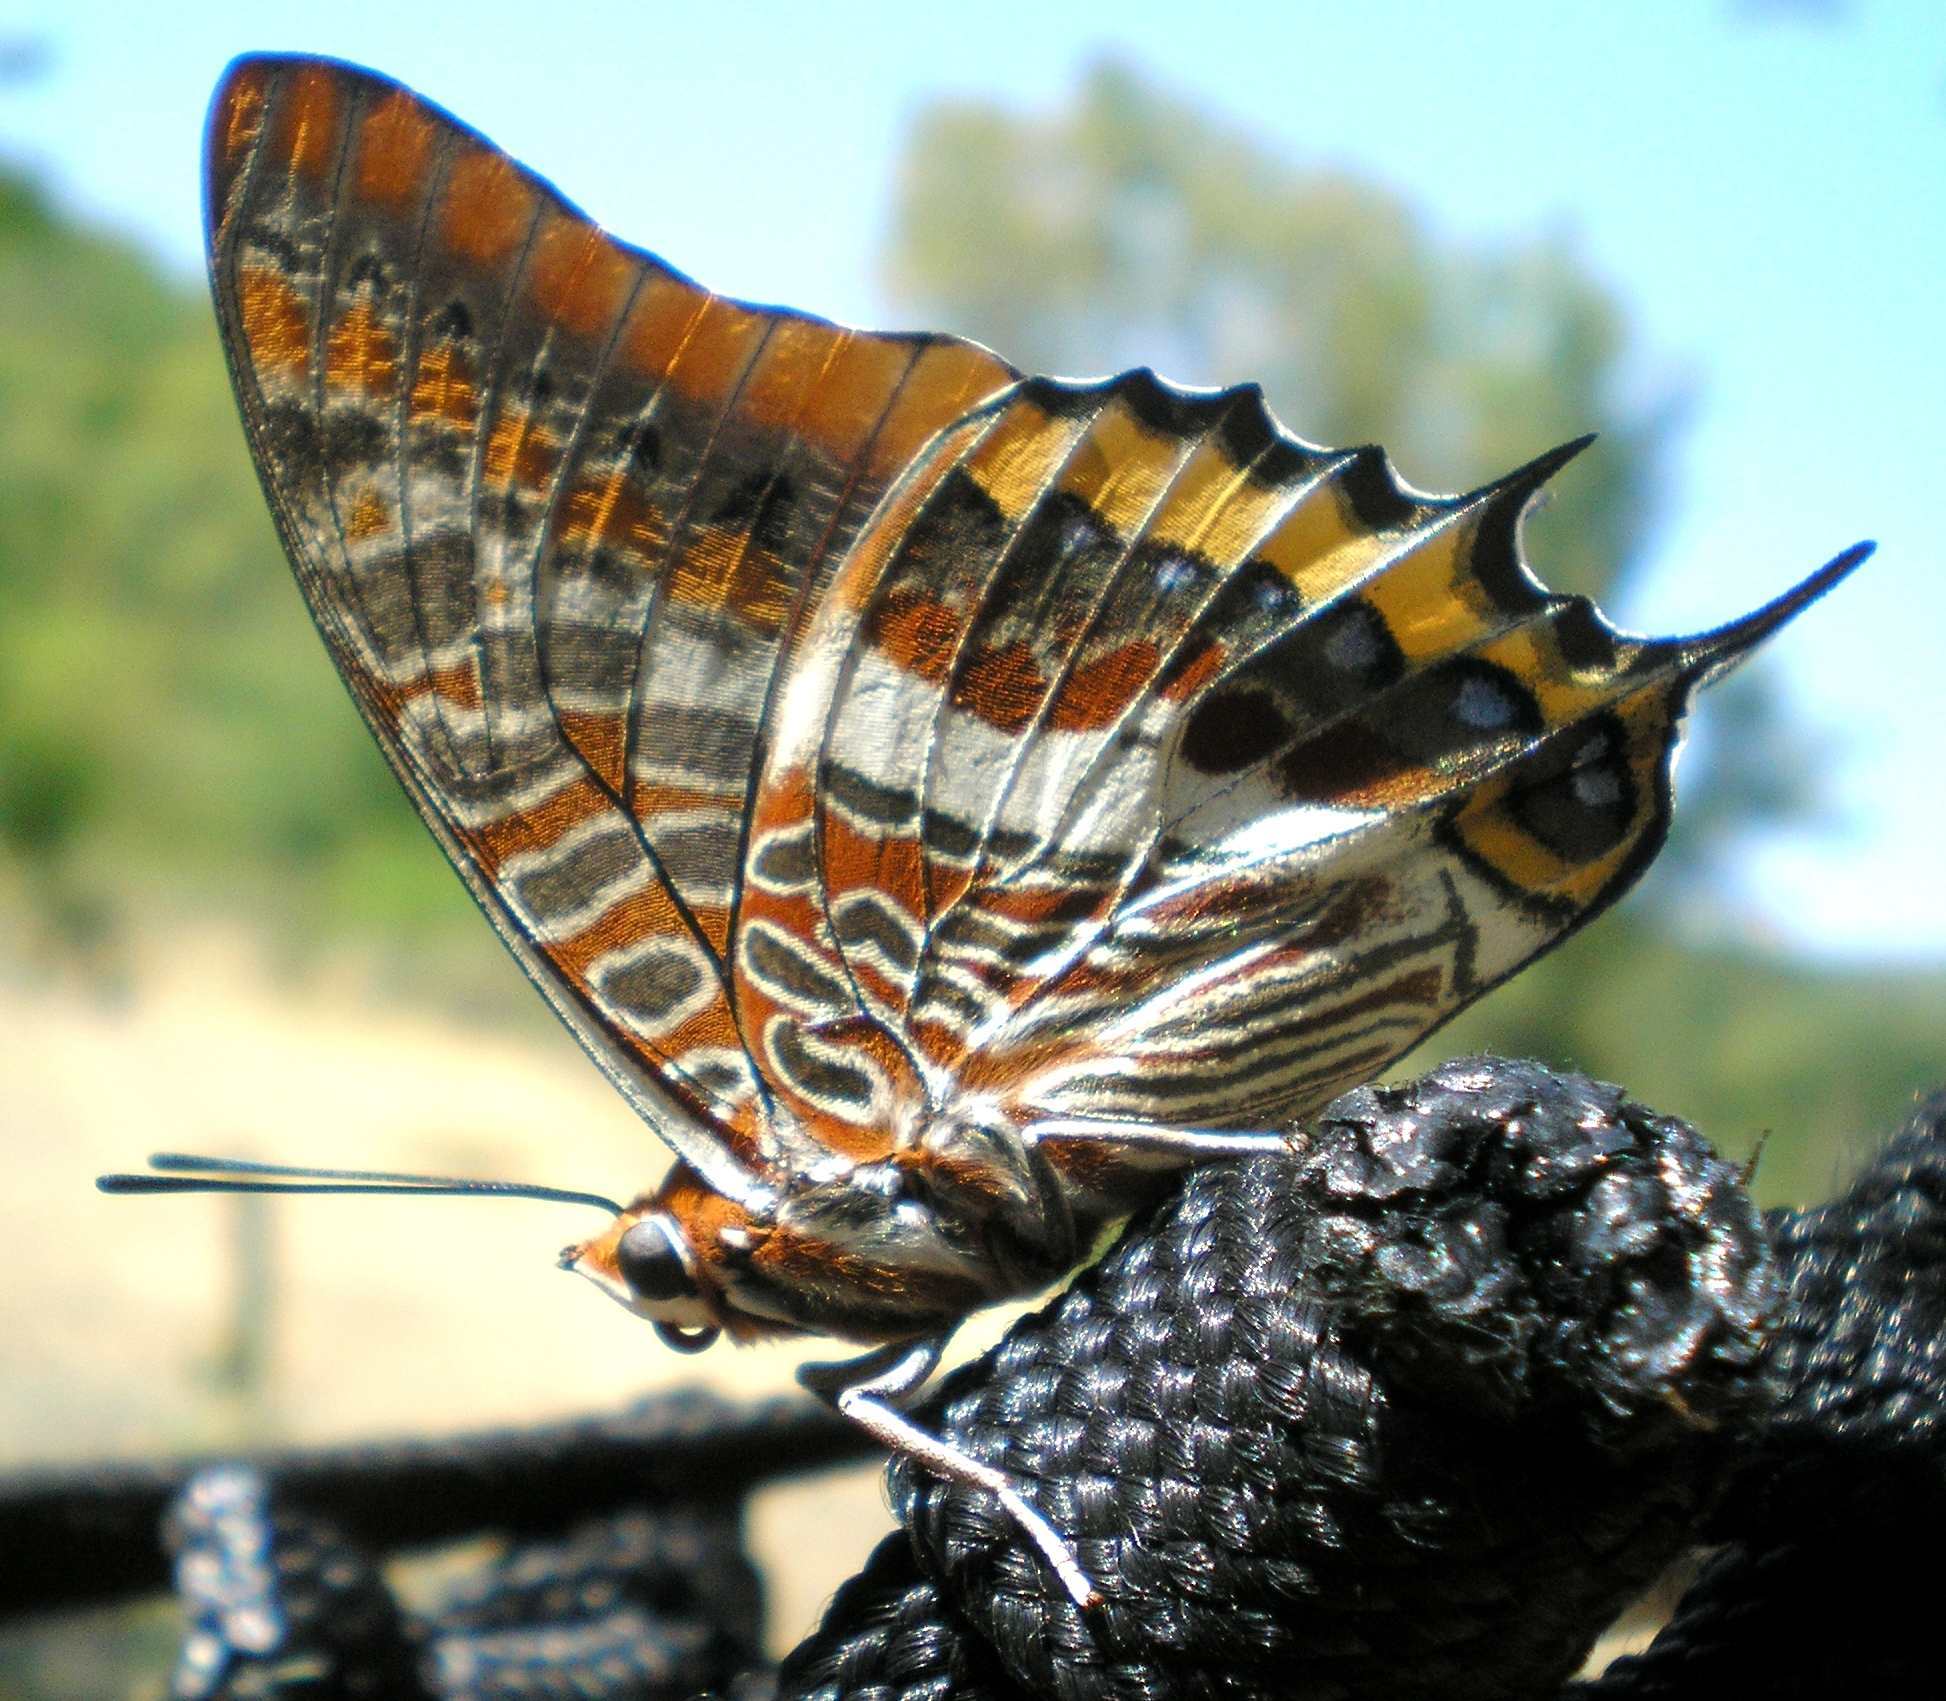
(1168, 768)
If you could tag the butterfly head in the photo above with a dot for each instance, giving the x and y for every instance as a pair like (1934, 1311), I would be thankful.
(645, 1261)
(680, 1257)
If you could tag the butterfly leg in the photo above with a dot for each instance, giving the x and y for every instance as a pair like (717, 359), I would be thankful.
(1192, 1145)
(867, 1390)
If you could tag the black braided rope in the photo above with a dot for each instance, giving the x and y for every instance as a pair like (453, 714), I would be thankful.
(1414, 1413)
(1827, 1584)
(74, 1534)
(281, 1603)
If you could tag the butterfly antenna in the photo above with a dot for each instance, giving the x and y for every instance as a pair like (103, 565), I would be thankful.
(1713, 654)
(183, 1172)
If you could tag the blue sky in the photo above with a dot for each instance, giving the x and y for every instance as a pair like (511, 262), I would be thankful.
(1764, 187)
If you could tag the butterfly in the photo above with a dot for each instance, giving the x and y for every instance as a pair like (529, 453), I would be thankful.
(944, 802)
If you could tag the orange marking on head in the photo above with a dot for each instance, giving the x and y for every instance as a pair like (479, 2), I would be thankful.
(371, 516)
(306, 137)
(918, 632)
(538, 826)
(518, 452)
(361, 354)
(276, 323)
(443, 391)
(394, 145)
(488, 205)
(702, 1217)
(577, 277)
(1097, 692)
(1003, 686)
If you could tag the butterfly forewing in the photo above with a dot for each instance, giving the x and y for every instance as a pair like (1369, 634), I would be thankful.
(559, 514)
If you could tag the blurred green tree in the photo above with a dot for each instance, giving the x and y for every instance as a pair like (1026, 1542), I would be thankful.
(168, 720)
(1128, 229)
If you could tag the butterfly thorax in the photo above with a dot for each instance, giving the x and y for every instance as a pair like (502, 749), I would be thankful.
(965, 1211)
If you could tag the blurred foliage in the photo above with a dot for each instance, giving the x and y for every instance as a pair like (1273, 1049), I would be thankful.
(1815, 1062)
(1128, 229)
(168, 721)
(114, 1653)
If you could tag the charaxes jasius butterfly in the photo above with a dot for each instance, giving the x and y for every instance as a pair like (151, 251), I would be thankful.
(944, 802)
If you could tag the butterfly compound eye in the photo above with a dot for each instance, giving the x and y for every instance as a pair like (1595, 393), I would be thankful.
(687, 1340)
(652, 1263)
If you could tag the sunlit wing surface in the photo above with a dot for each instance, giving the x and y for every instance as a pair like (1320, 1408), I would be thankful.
(560, 515)
(1153, 764)
(836, 727)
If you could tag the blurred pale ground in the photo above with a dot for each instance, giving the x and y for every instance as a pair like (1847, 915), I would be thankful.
(117, 1315)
